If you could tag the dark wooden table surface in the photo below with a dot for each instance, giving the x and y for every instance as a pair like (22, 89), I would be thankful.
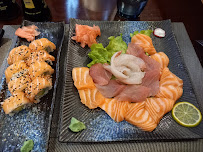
(186, 11)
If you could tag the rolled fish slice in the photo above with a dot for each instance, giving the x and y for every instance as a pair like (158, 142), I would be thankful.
(40, 68)
(16, 103)
(162, 58)
(82, 79)
(19, 53)
(40, 56)
(140, 117)
(170, 85)
(158, 107)
(115, 109)
(42, 44)
(16, 70)
(92, 98)
(38, 88)
(18, 84)
(145, 42)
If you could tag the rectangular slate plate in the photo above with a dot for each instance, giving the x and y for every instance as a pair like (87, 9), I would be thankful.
(34, 122)
(100, 127)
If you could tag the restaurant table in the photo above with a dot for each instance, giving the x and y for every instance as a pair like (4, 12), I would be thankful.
(196, 75)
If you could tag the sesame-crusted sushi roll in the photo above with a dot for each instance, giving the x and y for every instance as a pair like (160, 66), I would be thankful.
(41, 55)
(16, 103)
(19, 53)
(16, 70)
(18, 84)
(38, 88)
(40, 68)
(42, 44)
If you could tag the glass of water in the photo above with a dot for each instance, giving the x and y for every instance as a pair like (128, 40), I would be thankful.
(130, 9)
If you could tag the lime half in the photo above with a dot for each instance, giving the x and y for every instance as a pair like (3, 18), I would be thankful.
(186, 114)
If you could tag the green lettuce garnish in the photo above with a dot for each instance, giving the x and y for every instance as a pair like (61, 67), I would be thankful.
(145, 32)
(27, 146)
(99, 54)
(76, 125)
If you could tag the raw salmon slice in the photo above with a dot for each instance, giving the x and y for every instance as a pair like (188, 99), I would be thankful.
(158, 107)
(140, 117)
(82, 79)
(115, 109)
(145, 42)
(92, 98)
(162, 58)
(86, 35)
(170, 85)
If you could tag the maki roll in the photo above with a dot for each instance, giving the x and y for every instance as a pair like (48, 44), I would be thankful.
(38, 88)
(42, 44)
(41, 55)
(15, 103)
(19, 53)
(40, 68)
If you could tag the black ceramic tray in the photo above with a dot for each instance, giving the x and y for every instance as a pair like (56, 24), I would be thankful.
(100, 127)
(34, 122)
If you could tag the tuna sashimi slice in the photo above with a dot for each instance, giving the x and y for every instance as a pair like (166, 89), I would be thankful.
(92, 98)
(115, 109)
(81, 78)
(99, 75)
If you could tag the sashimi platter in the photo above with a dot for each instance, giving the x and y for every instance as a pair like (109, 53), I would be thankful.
(122, 82)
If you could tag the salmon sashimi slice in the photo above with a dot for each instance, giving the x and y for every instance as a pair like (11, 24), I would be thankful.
(145, 42)
(19, 53)
(162, 58)
(115, 109)
(41, 55)
(27, 32)
(140, 117)
(42, 44)
(15, 103)
(158, 107)
(82, 79)
(92, 98)
(17, 69)
(18, 84)
(40, 68)
(38, 88)
(86, 35)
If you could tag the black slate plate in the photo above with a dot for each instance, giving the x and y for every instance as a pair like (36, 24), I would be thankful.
(100, 127)
(34, 122)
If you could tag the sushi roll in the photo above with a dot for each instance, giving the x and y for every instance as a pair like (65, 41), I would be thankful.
(41, 55)
(40, 68)
(42, 44)
(16, 70)
(18, 84)
(38, 88)
(15, 103)
(19, 53)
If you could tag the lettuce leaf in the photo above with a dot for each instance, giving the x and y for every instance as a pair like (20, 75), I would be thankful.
(99, 54)
(145, 32)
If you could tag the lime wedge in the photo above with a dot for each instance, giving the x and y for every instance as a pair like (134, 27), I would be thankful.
(186, 114)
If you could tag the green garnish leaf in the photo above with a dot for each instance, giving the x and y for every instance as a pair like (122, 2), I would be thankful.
(147, 53)
(27, 146)
(145, 32)
(99, 54)
(76, 125)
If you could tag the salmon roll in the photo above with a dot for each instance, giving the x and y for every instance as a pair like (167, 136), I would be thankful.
(40, 68)
(42, 44)
(19, 53)
(18, 84)
(41, 55)
(38, 88)
(15, 103)
(16, 70)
